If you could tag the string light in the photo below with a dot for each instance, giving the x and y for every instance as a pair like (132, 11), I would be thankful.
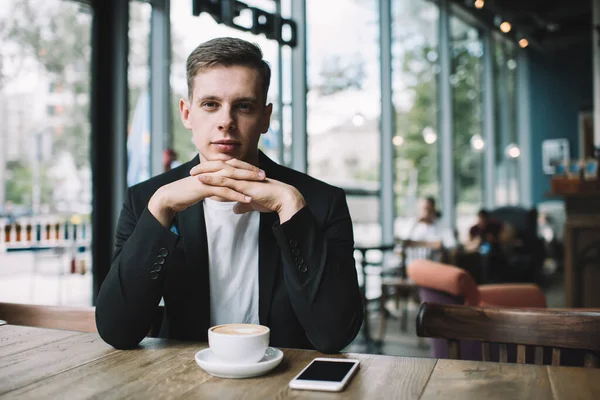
(505, 27)
(479, 3)
(523, 43)
(397, 141)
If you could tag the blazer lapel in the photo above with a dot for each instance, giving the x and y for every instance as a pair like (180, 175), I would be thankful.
(268, 263)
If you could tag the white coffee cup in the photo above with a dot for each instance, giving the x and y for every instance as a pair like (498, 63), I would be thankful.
(239, 343)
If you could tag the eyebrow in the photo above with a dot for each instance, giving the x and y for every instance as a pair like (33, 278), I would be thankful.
(248, 99)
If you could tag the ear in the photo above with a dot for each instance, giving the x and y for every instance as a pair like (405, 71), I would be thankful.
(267, 118)
(184, 113)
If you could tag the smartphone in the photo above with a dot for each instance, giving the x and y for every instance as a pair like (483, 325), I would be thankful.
(327, 374)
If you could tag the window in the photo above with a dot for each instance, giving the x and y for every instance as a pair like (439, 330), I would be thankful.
(45, 178)
(466, 51)
(344, 104)
(138, 137)
(506, 140)
(415, 96)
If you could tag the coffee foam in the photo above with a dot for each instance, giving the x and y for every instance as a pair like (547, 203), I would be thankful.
(239, 329)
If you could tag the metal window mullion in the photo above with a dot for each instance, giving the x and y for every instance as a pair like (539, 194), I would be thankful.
(445, 118)
(299, 88)
(386, 192)
(280, 144)
(108, 113)
(524, 129)
(489, 164)
(160, 88)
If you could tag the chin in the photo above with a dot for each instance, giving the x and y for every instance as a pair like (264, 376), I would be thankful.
(218, 157)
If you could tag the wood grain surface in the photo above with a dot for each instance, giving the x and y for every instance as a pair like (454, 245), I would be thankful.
(45, 363)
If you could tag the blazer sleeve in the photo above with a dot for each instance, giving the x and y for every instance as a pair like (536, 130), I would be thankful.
(128, 298)
(319, 272)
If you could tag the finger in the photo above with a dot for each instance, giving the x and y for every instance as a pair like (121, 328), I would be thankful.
(234, 162)
(222, 181)
(208, 166)
(242, 208)
(241, 174)
(229, 194)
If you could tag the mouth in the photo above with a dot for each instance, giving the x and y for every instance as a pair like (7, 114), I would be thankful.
(226, 145)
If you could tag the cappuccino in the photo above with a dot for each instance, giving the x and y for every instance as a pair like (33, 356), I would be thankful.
(239, 343)
(239, 329)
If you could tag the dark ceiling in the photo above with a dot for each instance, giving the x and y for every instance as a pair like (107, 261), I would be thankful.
(548, 24)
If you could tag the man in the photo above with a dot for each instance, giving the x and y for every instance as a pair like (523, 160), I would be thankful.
(231, 236)
(428, 228)
(484, 238)
(486, 230)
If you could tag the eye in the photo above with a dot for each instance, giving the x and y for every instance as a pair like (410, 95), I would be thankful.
(210, 105)
(247, 107)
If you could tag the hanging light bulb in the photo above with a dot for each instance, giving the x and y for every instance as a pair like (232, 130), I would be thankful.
(429, 135)
(523, 43)
(479, 3)
(512, 151)
(505, 27)
(477, 142)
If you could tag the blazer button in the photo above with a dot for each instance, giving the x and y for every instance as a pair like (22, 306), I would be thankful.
(296, 252)
(156, 267)
(293, 243)
(299, 261)
(153, 275)
(302, 268)
(160, 260)
(163, 252)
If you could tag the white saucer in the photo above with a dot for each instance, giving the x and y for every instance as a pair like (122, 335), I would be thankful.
(211, 364)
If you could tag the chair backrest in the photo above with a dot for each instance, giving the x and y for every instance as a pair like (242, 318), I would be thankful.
(542, 328)
(54, 317)
(444, 278)
(523, 220)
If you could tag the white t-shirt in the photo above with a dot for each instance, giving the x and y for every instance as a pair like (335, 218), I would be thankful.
(433, 232)
(233, 263)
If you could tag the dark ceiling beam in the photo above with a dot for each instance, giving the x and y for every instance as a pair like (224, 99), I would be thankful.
(535, 19)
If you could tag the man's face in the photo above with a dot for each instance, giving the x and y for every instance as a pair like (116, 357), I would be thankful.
(227, 113)
(425, 209)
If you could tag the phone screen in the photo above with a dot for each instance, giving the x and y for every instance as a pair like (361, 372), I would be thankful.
(326, 371)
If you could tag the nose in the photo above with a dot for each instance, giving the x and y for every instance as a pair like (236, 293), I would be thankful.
(226, 121)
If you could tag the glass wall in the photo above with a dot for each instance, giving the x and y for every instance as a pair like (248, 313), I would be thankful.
(187, 32)
(344, 104)
(466, 52)
(45, 178)
(415, 72)
(138, 123)
(506, 139)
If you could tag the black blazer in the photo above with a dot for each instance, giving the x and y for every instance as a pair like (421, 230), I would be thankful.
(308, 288)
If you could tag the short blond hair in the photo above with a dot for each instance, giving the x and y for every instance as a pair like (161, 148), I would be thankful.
(227, 51)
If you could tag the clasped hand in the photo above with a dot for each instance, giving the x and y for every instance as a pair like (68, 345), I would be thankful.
(231, 180)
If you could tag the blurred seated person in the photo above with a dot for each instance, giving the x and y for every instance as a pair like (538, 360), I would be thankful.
(428, 228)
(486, 237)
(487, 231)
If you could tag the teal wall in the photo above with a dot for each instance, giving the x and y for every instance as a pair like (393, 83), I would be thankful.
(561, 85)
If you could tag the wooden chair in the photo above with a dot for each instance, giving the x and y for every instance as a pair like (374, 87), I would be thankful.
(559, 330)
(401, 288)
(54, 317)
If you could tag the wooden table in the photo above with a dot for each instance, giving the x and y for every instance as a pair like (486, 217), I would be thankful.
(44, 363)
